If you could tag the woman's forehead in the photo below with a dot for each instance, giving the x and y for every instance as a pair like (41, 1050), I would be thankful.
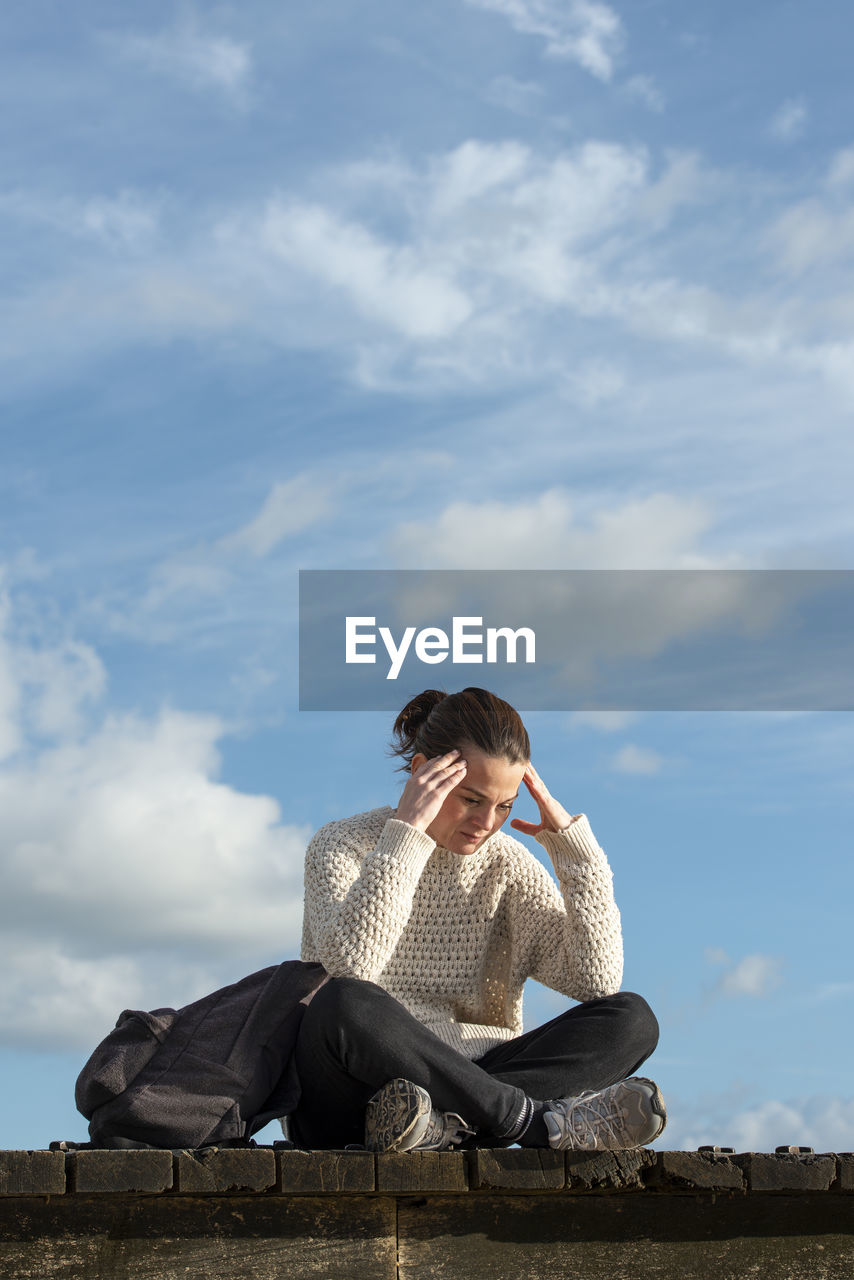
(495, 777)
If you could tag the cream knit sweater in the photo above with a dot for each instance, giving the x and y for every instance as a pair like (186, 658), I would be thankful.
(454, 938)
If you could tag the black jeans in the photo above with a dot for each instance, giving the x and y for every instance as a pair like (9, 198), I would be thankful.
(355, 1037)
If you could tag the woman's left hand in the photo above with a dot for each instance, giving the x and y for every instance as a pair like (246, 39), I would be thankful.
(553, 816)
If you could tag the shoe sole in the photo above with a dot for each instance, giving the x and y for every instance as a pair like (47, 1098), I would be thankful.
(394, 1116)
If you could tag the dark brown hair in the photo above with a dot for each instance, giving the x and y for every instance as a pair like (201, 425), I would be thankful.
(434, 723)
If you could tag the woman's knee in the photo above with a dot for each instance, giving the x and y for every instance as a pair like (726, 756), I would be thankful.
(640, 1024)
(344, 1004)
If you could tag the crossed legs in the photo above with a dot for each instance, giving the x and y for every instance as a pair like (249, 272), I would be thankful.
(355, 1037)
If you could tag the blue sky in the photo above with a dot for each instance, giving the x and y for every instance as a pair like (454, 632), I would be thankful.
(480, 284)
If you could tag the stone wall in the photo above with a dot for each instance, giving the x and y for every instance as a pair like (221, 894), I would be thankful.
(263, 1213)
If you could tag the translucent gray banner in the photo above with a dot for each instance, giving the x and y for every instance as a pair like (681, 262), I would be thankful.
(561, 640)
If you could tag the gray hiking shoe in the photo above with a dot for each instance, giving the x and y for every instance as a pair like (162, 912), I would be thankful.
(628, 1114)
(401, 1117)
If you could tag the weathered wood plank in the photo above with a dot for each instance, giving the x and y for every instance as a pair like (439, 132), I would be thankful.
(512, 1169)
(310, 1172)
(845, 1171)
(255, 1237)
(608, 1170)
(696, 1170)
(635, 1237)
(773, 1172)
(413, 1171)
(216, 1170)
(109, 1172)
(29, 1173)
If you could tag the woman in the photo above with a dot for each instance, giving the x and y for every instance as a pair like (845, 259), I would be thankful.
(429, 919)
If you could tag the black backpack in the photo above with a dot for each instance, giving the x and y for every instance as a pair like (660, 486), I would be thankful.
(213, 1072)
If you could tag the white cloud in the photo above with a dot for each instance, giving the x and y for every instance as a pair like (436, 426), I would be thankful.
(637, 760)
(50, 998)
(10, 693)
(841, 170)
(754, 975)
(497, 251)
(812, 234)
(198, 59)
(491, 264)
(823, 1123)
(62, 681)
(194, 572)
(643, 89)
(584, 617)
(835, 991)
(96, 307)
(595, 382)
(127, 835)
(128, 220)
(833, 360)
(44, 689)
(789, 121)
(523, 97)
(130, 872)
(474, 171)
(388, 283)
(291, 506)
(125, 844)
(544, 532)
(583, 31)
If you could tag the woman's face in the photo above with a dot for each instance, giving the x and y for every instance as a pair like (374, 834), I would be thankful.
(479, 804)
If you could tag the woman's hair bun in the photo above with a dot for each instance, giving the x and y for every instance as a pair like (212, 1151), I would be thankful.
(413, 716)
(473, 716)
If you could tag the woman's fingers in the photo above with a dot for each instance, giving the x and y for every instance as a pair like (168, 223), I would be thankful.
(552, 814)
(428, 786)
(438, 765)
(532, 779)
(450, 778)
(535, 785)
(441, 771)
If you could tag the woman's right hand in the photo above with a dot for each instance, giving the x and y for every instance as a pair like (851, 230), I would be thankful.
(428, 785)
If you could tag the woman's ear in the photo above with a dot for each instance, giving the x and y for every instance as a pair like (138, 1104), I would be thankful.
(417, 761)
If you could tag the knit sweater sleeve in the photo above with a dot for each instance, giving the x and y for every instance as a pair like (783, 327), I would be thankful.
(358, 898)
(572, 938)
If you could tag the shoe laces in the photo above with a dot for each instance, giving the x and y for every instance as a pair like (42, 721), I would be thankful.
(444, 1129)
(592, 1114)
